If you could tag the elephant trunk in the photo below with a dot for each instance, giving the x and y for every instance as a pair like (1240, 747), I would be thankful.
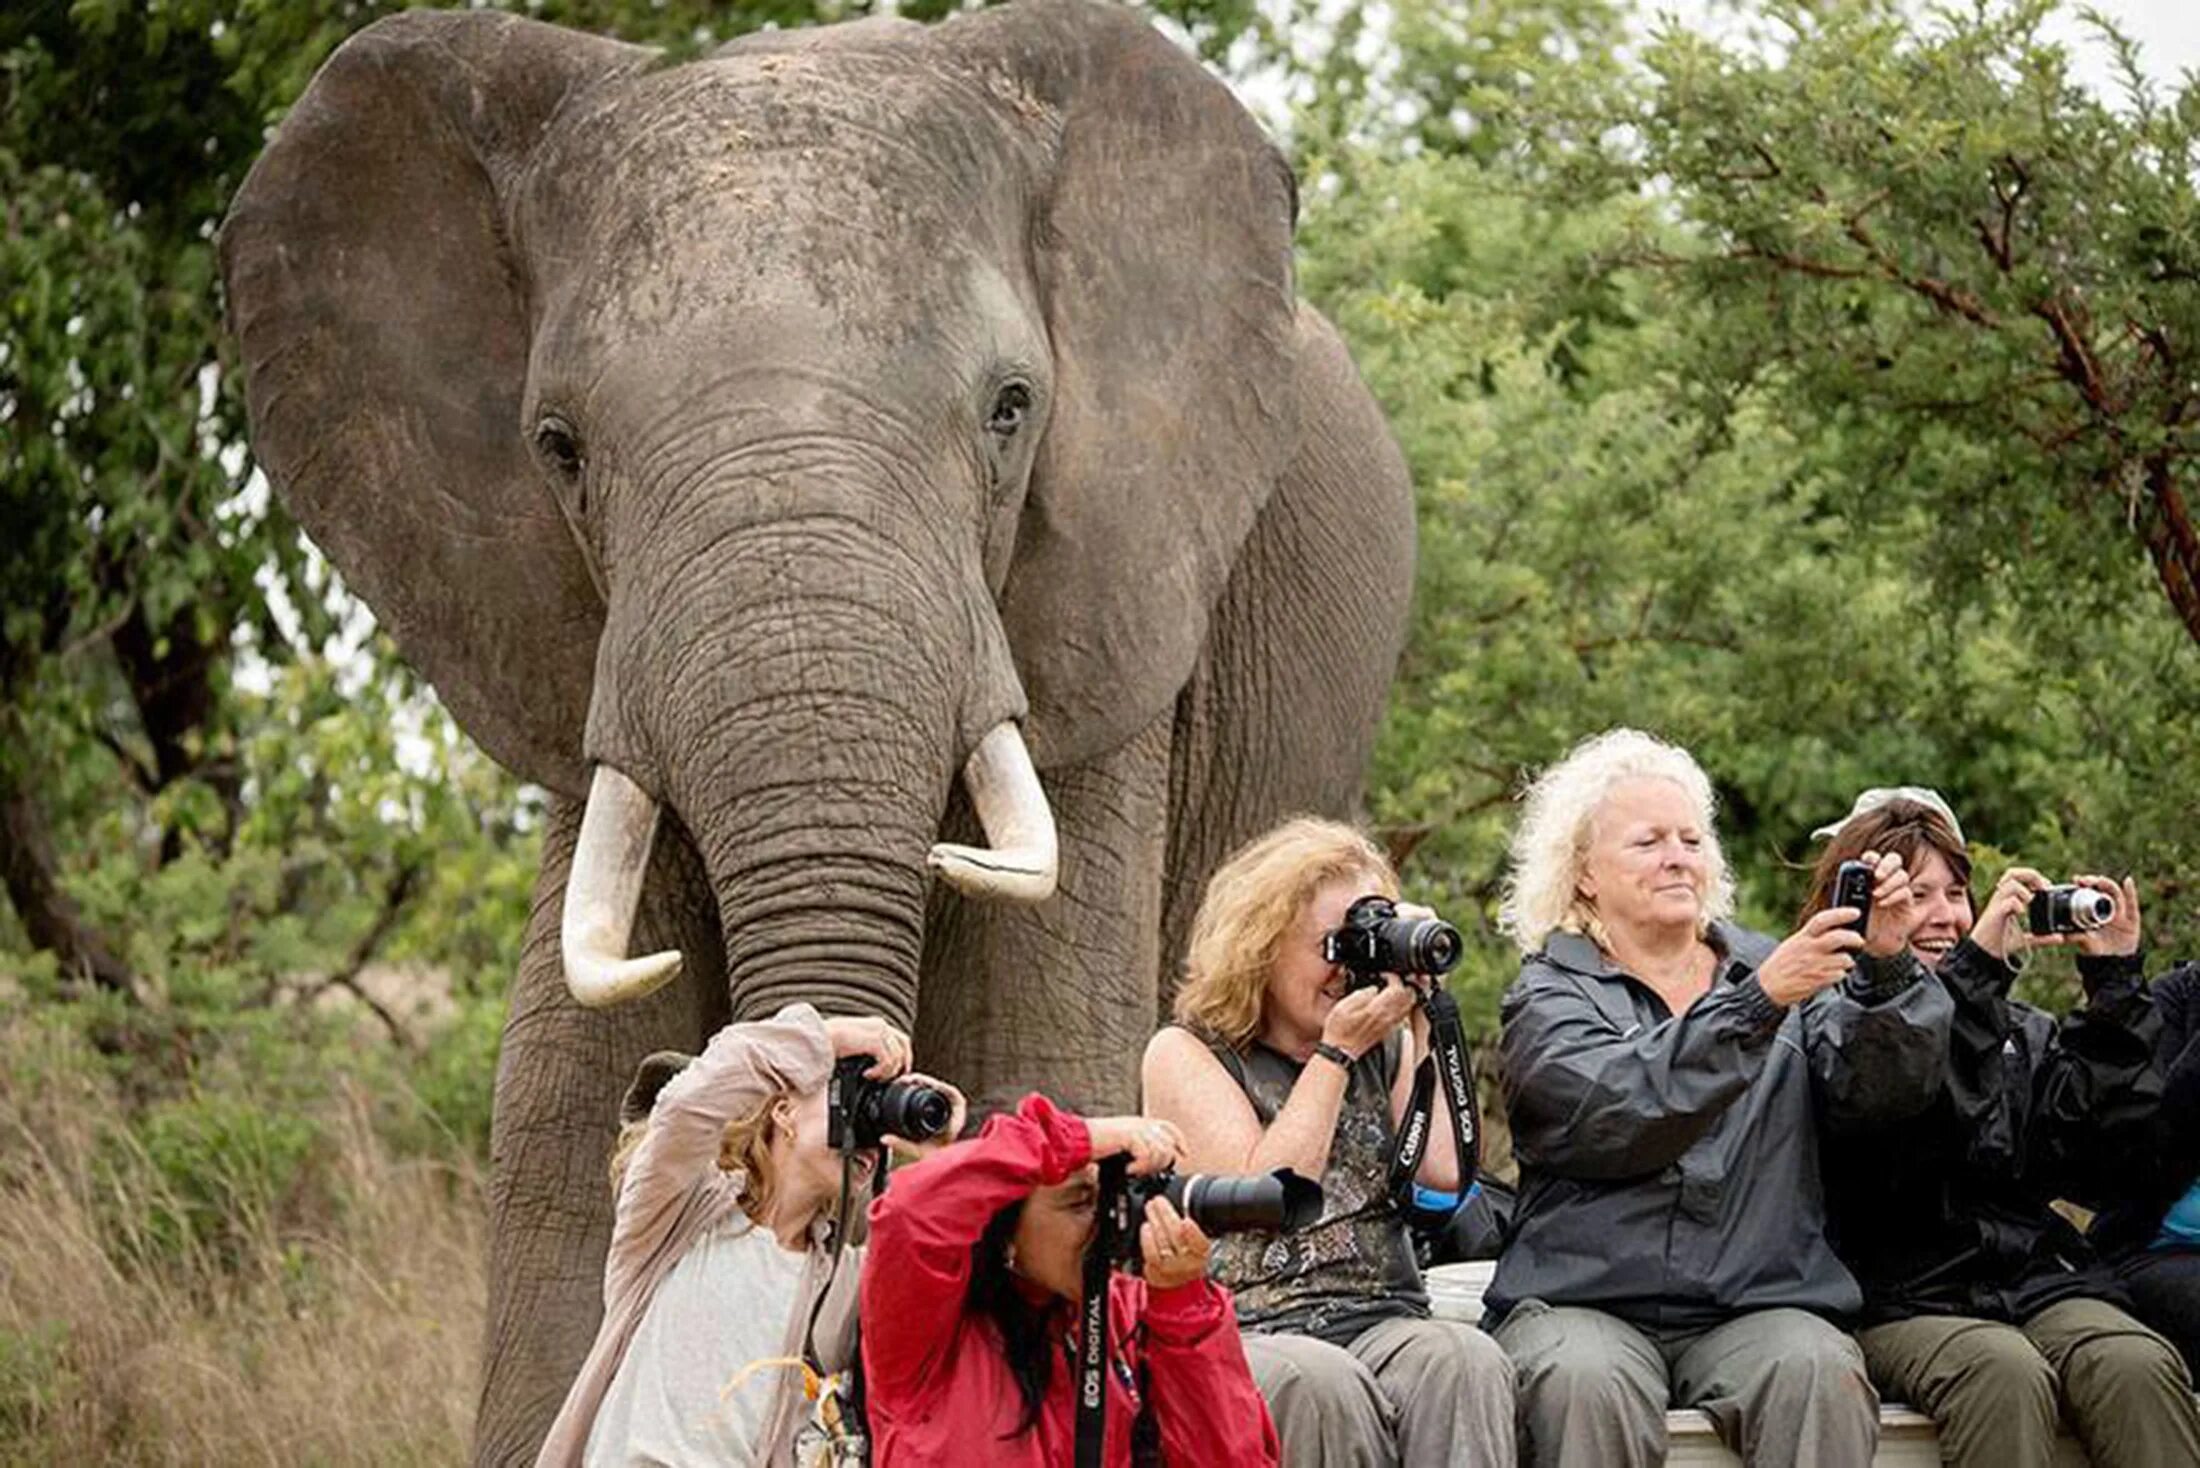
(802, 713)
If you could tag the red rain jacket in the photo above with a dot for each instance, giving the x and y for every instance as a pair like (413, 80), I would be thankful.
(938, 1385)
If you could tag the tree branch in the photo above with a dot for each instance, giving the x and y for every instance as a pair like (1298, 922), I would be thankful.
(144, 781)
(394, 898)
(2171, 540)
(2075, 358)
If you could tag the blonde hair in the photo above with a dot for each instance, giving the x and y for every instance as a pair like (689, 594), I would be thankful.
(744, 1148)
(1558, 819)
(1252, 902)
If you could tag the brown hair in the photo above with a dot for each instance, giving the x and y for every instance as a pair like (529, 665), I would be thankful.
(1906, 828)
(1252, 901)
(745, 1148)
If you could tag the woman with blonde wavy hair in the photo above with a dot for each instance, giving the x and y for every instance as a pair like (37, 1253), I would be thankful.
(722, 1261)
(1666, 1072)
(1276, 1060)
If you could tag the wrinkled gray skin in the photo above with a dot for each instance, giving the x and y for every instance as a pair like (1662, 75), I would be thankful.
(659, 413)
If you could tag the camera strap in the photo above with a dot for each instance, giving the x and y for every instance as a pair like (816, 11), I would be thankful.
(1092, 1320)
(1448, 1063)
(853, 1445)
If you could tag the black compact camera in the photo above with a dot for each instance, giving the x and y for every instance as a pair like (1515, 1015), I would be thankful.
(1853, 882)
(1374, 940)
(2068, 909)
(1276, 1201)
(860, 1111)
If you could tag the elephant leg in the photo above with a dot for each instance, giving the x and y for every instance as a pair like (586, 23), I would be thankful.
(560, 1074)
(1281, 715)
(1062, 994)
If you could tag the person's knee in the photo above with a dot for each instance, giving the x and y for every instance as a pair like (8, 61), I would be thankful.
(2012, 1366)
(1317, 1378)
(1587, 1371)
(1446, 1355)
(1814, 1360)
(1999, 1372)
(2126, 1364)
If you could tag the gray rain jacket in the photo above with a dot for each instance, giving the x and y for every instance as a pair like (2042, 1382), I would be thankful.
(1669, 1166)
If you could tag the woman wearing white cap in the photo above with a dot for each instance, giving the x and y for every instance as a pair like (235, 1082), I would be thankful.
(1983, 1306)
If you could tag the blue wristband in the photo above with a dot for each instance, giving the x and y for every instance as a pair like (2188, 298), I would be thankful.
(1441, 1200)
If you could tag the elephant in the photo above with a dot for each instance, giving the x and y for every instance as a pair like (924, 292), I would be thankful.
(878, 479)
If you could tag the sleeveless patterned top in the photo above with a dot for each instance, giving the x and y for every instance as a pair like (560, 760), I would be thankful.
(1355, 1267)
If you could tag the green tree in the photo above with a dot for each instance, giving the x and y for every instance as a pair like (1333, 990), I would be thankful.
(1801, 512)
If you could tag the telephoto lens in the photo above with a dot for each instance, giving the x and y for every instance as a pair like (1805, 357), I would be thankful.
(2068, 909)
(1276, 1201)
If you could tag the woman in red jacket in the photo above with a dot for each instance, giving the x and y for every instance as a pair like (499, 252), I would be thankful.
(970, 1293)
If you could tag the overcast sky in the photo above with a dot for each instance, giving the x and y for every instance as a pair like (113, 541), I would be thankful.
(2168, 33)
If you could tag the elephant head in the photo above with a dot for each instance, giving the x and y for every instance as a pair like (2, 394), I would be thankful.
(770, 438)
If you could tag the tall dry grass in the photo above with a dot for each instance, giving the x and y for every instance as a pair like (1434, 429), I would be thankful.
(336, 1323)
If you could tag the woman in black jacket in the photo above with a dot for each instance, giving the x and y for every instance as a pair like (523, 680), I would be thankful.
(2151, 1229)
(1983, 1305)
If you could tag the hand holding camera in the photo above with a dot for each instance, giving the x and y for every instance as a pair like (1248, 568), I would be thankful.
(1878, 888)
(2004, 927)
(915, 1148)
(1389, 951)
(1151, 1144)
(1815, 956)
(873, 1038)
(1360, 1021)
(1205, 1203)
(863, 1111)
(2116, 933)
(1172, 1247)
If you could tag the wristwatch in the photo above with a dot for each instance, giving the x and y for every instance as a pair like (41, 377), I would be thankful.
(1338, 1053)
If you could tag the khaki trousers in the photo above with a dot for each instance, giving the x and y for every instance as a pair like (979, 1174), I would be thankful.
(1404, 1394)
(1997, 1392)
(1783, 1388)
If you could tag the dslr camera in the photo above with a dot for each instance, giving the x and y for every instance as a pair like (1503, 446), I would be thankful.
(2068, 909)
(860, 1111)
(1374, 940)
(1276, 1201)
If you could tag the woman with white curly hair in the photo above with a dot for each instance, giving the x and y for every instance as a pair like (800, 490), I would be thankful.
(1666, 1072)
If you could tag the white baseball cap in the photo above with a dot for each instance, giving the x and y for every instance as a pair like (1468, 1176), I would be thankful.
(1878, 796)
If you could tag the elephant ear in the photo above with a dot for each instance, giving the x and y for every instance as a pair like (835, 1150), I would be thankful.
(382, 313)
(1163, 255)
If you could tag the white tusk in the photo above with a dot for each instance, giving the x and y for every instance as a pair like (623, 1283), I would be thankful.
(1020, 865)
(602, 892)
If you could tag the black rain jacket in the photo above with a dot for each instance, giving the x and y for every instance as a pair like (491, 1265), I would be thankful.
(1947, 1214)
(2162, 1163)
(1669, 1164)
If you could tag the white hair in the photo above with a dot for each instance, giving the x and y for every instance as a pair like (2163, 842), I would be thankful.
(1542, 893)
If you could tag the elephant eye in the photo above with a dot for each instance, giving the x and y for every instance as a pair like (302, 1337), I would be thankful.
(1009, 407)
(559, 448)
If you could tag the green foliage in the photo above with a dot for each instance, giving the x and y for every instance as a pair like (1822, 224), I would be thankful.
(34, 1376)
(224, 1161)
